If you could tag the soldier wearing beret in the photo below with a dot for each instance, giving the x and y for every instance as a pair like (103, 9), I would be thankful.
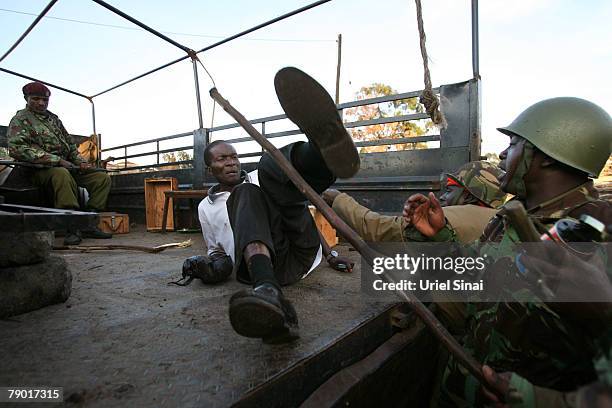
(36, 135)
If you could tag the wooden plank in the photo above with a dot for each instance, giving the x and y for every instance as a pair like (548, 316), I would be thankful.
(328, 232)
(154, 202)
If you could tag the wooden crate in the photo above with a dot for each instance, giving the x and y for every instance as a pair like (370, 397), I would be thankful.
(328, 232)
(154, 202)
(114, 223)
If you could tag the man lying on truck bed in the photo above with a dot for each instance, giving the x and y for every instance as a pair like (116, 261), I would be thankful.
(261, 220)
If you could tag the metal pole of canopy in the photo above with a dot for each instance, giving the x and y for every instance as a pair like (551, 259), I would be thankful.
(262, 25)
(338, 68)
(93, 116)
(8, 71)
(141, 25)
(98, 137)
(233, 37)
(40, 16)
(142, 75)
(475, 41)
(197, 89)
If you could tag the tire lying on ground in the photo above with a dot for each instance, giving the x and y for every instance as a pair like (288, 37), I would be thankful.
(30, 287)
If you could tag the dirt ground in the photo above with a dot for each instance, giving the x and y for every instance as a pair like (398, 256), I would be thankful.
(127, 338)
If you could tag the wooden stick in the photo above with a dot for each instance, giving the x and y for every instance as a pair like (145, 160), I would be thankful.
(151, 250)
(366, 252)
(520, 221)
(517, 215)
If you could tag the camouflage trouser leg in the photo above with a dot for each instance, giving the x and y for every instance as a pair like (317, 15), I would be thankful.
(98, 185)
(59, 184)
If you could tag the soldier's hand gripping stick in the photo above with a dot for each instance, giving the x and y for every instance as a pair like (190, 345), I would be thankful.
(527, 233)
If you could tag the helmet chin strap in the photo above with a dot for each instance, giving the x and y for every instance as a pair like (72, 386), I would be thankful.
(516, 184)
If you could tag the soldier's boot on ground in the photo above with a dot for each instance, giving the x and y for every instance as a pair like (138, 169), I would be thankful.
(96, 233)
(263, 312)
(72, 237)
(312, 109)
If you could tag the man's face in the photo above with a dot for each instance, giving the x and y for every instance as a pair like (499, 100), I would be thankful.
(37, 104)
(225, 166)
(453, 195)
(510, 160)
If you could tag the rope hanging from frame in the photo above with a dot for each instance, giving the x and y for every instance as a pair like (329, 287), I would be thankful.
(194, 56)
(428, 97)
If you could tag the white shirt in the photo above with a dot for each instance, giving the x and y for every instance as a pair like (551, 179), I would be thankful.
(216, 228)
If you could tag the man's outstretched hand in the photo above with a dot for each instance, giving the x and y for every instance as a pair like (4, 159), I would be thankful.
(424, 213)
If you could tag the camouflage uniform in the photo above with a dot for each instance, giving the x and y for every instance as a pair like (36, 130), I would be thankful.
(550, 351)
(480, 178)
(545, 351)
(42, 138)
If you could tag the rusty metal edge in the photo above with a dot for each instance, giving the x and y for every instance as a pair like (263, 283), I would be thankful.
(340, 384)
(276, 391)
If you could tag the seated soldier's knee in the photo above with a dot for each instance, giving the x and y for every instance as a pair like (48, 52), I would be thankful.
(61, 175)
(103, 179)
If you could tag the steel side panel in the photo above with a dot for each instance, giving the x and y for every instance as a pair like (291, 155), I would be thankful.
(292, 386)
(22, 218)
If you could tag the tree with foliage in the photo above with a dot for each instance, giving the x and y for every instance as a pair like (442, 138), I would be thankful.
(393, 130)
(178, 156)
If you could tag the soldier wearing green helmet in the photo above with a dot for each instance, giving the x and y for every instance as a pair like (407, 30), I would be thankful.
(542, 352)
(572, 131)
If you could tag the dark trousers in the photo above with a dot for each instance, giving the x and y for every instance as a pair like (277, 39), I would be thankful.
(277, 214)
(61, 186)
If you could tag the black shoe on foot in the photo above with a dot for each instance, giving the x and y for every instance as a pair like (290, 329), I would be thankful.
(263, 312)
(72, 238)
(311, 108)
(96, 233)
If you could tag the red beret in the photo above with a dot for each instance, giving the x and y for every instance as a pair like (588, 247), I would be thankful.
(36, 89)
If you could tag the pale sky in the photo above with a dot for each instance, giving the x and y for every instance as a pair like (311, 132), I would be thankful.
(529, 50)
